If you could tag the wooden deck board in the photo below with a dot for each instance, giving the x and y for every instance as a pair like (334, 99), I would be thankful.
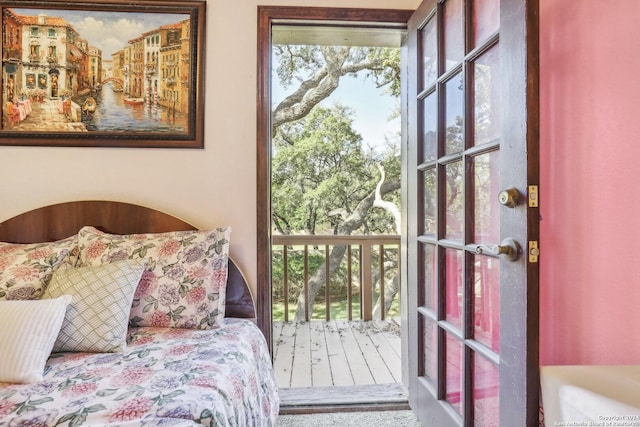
(357, 363)
(301, 369)
(320, 368)
(390, 331)
(275, 334)
(283, 362)
(389, 345)
(341, 373)
(336, 353)
(377, 367)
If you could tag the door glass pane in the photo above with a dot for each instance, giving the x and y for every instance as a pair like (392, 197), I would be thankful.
(454, 112)
(454, 199)
(430, 143)
(430, 355)
(429, 196)
(454, 280)
(430, 288)
(487, 123)
(453, 32)
(486, 301)
(429, 54)
(486, 182)
(454, 374)
(486, 19)
(486, 391)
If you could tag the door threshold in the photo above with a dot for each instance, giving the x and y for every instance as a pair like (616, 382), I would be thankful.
(374, 397)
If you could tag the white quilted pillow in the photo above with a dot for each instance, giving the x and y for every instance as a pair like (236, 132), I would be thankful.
(29, 329)
(98, 316)
(581, 405)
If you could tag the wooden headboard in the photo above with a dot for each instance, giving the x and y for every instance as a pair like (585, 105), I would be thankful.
(62, 220)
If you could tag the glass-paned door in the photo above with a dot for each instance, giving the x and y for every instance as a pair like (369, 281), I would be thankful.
(472, 156)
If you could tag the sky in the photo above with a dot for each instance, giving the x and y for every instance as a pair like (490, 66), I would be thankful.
(372, 106)
(108, 31)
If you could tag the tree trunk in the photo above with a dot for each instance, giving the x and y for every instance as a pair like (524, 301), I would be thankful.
(391, 290)
(350, 223)
(390, 293)
(318, 279)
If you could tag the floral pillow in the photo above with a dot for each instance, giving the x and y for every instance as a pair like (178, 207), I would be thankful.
(184, 284)
(26, 268)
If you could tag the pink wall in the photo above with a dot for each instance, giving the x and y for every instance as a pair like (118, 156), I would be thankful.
(590, 179)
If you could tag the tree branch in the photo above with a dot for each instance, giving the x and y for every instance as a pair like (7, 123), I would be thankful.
(322, 84)
(388, 206)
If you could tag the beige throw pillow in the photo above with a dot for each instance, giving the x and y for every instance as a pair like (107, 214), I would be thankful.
(29, 329)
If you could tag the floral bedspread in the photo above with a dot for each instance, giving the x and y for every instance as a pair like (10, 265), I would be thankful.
(219, 377)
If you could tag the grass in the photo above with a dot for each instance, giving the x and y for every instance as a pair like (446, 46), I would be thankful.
(339, 310)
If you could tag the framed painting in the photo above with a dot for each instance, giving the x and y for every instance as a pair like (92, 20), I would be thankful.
(103, 73)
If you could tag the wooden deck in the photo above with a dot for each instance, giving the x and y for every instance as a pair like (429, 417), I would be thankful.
(338, 365)
(336, 353)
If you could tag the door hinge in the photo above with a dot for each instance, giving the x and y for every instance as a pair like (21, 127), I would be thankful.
(534, 251)
(533, 196)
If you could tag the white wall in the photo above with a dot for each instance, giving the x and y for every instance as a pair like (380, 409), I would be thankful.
(210, 187)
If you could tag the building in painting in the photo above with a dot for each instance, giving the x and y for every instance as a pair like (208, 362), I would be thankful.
(11, 54)
(136, 67)
(47, 43)
(94, 67)
(151, 65)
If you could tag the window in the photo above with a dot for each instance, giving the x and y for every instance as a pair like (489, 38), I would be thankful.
(34, 53)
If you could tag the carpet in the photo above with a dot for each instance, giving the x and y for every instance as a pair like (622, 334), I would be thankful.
(351, 419)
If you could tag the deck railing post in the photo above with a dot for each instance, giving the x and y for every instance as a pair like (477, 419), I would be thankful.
(285, 261)
(365, 284)
(327, 284)
(381, 274)
(349, 284)
(306, 283)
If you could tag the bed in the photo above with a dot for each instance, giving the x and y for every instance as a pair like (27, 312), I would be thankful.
(187, 353)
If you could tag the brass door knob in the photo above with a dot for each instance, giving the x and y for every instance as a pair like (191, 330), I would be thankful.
(509, 197)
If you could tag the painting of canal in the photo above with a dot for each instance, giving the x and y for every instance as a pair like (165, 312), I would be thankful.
(101, 72)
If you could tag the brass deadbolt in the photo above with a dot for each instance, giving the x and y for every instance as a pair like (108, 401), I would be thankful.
(509, 197)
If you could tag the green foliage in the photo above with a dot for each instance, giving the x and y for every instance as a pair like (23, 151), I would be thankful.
(296, 63)
(320, 171)
(296, 268)
(324, 170)
(339, 309)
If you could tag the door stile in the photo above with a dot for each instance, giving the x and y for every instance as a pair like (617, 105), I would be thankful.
(412, 211)
(519, 54)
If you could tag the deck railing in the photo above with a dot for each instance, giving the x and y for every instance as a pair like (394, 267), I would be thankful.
(381, 252)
